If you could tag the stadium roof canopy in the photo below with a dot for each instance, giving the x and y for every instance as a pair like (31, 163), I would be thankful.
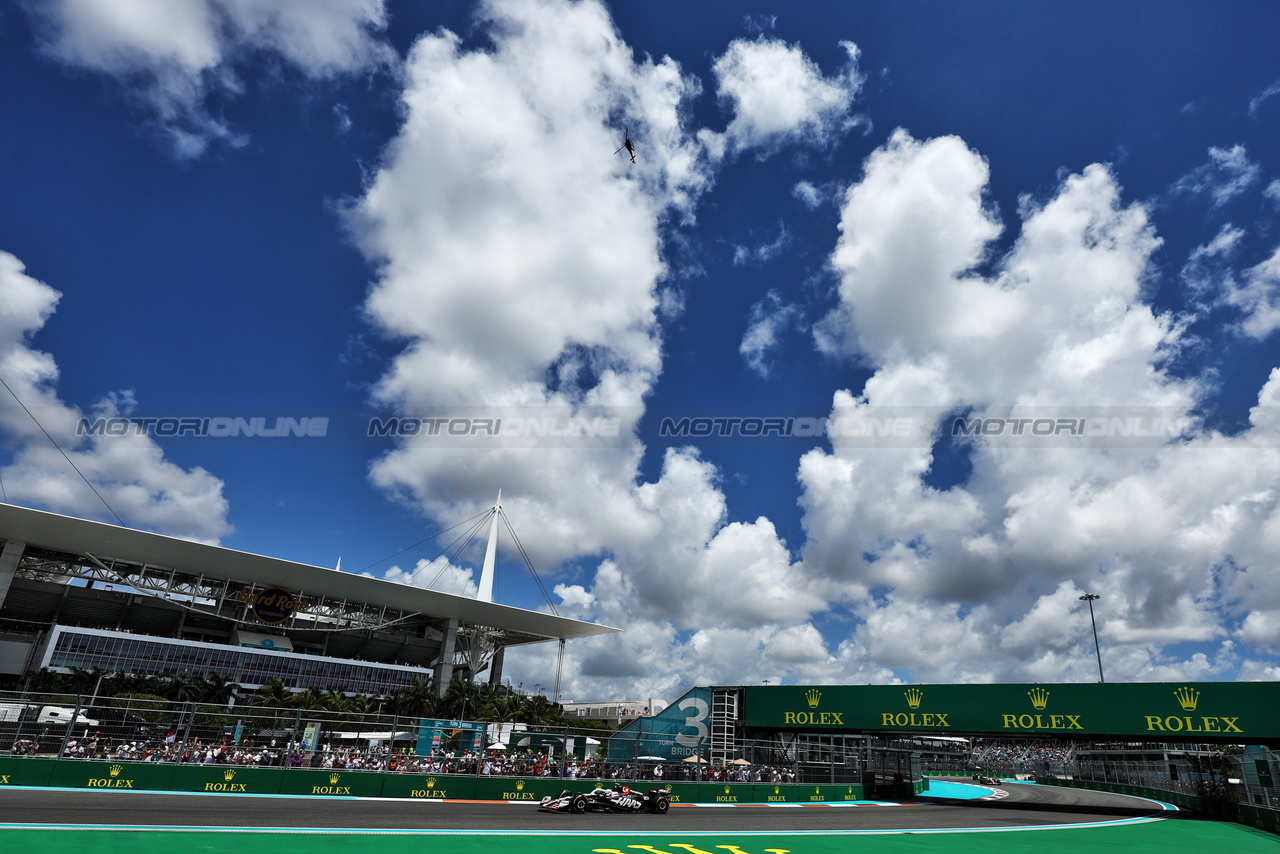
(114, 546)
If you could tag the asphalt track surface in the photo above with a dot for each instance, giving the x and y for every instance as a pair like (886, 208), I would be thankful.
(1026, 806)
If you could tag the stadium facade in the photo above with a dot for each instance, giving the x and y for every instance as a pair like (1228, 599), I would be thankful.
(81, 594)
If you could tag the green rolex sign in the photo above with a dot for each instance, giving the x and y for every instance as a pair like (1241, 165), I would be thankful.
(1231, 712)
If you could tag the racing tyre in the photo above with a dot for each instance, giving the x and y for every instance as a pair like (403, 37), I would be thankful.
(661, 805)
(578, 804)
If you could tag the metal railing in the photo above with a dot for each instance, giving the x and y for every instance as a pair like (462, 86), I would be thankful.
(147, 729)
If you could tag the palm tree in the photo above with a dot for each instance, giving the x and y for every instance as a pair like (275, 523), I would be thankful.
(416, 701)
(542, 712)
(361, 705)
(336, 701)
(273, 693)
(461, 696)
(310, 700)
(186, 687)
(501, 709)
(217, 689)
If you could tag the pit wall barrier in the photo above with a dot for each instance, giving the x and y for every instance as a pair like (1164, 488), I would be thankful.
(1223, 810)
(235, 780)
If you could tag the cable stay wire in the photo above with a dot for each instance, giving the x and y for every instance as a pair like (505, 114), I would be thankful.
(528, 563)
(420, 542)
(453, 557)
(64, 454)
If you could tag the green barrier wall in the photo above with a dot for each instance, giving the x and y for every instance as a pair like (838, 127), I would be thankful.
(222, 779)
(347, 784)
(525, 788)
(75, 774)
(26, 772)
(424, 786)
(1260, 817)
(231, 781)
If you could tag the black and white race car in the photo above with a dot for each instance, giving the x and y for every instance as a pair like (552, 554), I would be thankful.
(619, 798)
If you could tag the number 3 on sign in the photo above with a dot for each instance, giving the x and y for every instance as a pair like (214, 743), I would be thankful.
(696, 721)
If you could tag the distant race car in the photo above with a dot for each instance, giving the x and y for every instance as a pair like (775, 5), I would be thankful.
(617, 799)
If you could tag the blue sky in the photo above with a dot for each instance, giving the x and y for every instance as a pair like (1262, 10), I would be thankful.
(895, 214)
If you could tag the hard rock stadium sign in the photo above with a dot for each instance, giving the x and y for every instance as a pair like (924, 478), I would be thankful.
(1232, 712)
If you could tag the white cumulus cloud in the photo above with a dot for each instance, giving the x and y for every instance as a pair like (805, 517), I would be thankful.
(986, 574)
(779, 96)
(520, 264)
(173, 54)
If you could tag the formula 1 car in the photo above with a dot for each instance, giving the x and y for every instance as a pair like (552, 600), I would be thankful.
(617, 799)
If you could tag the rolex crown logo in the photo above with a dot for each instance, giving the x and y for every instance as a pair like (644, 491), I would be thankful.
(1187, 698)
(914, 696)
(519, 785)
(431, 782)
(726, 790)
(813, 695)
(1039, 697)
(777, 789)
(116, 769)
(229, 775)
(333, 779)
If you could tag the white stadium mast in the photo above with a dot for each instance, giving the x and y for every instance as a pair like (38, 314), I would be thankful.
(485, 593)
(489, 569)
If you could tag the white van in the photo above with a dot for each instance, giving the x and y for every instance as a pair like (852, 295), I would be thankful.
(62, 715)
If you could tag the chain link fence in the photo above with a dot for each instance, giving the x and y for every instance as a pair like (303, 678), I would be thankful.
(1245, 777)
(151, 729)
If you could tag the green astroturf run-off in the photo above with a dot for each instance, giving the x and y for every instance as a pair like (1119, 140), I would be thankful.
(1172, 836)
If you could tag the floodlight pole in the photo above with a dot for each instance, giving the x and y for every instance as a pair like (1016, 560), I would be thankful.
(1089, 597)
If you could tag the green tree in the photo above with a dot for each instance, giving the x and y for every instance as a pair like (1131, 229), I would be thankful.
(461, 698)
(311, 700)
(186, 687)
(417, 700)
(274, 694)
(152, 708)
(502, 709)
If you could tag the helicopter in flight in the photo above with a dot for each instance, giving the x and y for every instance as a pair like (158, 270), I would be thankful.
(630, 148)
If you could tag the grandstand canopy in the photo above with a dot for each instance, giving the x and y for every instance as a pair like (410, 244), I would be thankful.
(61, 571)
(125, 548)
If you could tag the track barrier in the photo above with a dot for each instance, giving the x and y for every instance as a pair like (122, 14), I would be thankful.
(251, 780)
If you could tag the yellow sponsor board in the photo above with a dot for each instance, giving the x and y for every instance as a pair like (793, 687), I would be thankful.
(1016, 721)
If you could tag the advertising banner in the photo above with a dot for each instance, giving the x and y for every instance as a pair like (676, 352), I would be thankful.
(1155, 711)
(435, 734)
(223, 779)
(678, 732)
(351, 784)
(26, 772)
(458, 787)
(98, 774)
